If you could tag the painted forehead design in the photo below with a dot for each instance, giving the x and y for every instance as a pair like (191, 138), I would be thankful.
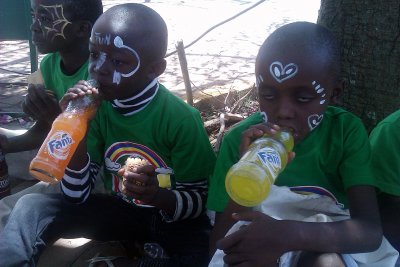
(282, 73)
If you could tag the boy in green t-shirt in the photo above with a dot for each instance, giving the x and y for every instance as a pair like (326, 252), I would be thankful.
(139, 120)
(297, 77)
(61, 29)
(385, 143)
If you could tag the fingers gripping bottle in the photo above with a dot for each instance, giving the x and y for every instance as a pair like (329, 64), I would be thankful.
(249, 181)
(68, 129)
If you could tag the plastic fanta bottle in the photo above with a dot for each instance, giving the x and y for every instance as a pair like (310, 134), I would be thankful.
(249, 181)
(67, 131)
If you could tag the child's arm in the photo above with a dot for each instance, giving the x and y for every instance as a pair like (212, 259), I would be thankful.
(264, 240)
(80, 173)
(31, 139)
(390, 210)
(43, 107)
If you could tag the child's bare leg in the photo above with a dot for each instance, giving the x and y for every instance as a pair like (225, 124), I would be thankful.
(312, 259)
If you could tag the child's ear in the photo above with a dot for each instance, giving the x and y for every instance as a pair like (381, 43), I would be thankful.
(337, 92)
(157, 68)
(85, 29)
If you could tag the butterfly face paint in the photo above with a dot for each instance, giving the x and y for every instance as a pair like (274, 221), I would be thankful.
(119, 43)
(320, 91)
(282, 73)
(53, 21)
(314, 120)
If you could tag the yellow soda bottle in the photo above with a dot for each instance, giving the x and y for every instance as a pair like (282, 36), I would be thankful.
(249, 181)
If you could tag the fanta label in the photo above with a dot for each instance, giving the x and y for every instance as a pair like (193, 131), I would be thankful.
(59, 145)
(269, 156)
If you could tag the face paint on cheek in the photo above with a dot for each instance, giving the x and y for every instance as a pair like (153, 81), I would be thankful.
(320, 90)
(100, 61)
(116, 77)
(259, 80)
(60, 22)
(264, 116)
(282, 73)
(314, 120)
(119, 43)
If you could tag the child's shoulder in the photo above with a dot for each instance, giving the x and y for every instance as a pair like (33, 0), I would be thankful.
(391, 120)
(173, 103)
(49, 60)
(336, 117)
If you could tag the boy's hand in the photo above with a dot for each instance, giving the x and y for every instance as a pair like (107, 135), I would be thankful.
(142, 184)
(79, 90)
(41, 104)
(256, 244)
(257, 131)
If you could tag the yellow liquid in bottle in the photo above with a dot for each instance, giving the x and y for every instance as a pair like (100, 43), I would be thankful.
(247, 184)
(249, 181)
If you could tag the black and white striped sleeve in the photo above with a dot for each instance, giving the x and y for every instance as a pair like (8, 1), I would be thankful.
(77, 185)
(190, 201)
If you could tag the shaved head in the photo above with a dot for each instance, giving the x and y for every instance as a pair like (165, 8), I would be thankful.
(138, 25)
(304, 38)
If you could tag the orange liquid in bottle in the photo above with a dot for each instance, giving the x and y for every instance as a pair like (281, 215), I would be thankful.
(67, 131)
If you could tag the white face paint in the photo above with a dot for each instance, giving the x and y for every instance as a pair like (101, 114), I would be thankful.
(321, 91)
(100, 61)
(314, 120)
(259, 80)
(102, 39)
(119, 43)
(264, 116)
(282, 73)
(59, 21)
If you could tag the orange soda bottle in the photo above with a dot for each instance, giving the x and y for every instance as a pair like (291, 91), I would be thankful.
(249, 181)
(68, 129)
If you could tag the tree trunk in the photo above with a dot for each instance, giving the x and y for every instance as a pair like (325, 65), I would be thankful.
(369, 32)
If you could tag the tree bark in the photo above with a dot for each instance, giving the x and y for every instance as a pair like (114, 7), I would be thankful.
(369, 33)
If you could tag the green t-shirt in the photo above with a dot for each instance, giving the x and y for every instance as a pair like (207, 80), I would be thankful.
(55, 80)
(167, 133)
(333, 157)
(385, 143)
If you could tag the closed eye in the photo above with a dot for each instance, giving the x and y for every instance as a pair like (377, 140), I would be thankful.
(305, 99)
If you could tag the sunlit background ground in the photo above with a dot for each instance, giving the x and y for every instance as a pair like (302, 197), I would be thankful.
(223, 59)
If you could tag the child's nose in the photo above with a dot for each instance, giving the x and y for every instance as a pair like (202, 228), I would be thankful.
(285, 110)
(35, 26)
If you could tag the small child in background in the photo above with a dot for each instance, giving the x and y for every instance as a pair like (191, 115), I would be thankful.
(137, 118)
(323, 206)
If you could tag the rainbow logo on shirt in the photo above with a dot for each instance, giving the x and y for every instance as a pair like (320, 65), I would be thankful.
(116, 155)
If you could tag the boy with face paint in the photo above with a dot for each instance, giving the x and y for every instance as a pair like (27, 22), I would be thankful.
(297, 77)
(137, 118)
(61, 29)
